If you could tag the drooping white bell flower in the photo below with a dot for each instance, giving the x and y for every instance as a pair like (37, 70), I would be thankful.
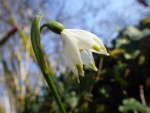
(88, 60)
(78, 46)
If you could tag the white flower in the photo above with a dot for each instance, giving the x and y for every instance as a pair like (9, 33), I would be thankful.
(78, 46)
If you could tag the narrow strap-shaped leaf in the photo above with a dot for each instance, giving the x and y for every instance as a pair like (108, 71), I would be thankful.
(35, 40)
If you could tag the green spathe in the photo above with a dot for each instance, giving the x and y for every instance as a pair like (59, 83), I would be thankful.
(53, 26)
(35, 40)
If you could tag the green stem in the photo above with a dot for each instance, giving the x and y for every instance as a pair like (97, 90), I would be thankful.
(51, 85)
(35, 39)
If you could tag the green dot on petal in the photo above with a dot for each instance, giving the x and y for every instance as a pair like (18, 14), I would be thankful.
(79, 68)
(95, 47)
(80, 50)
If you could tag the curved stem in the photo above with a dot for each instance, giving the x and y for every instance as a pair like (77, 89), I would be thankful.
(35, 39)
(51, 85)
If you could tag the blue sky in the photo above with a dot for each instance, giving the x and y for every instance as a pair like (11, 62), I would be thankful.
(102, 17)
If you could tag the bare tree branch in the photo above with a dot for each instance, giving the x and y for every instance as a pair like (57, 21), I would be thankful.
(5, 36)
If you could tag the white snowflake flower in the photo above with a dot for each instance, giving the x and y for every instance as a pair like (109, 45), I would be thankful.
(78, 46)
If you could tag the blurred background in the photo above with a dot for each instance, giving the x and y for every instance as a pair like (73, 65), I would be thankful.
(122, 83)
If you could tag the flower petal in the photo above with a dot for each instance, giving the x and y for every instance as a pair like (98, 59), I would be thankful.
(101, 45)
(88, 59)
(83, 38)
(72, 53)
(87, 40)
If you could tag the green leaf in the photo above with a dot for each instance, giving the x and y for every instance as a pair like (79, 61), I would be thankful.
(131, 104)
(35, 40)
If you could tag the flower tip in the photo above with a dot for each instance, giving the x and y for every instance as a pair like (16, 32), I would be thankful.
(95, 69)
(80, 69)
(82, 73)
(107, 54)
(78, 80)
(92, 65)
